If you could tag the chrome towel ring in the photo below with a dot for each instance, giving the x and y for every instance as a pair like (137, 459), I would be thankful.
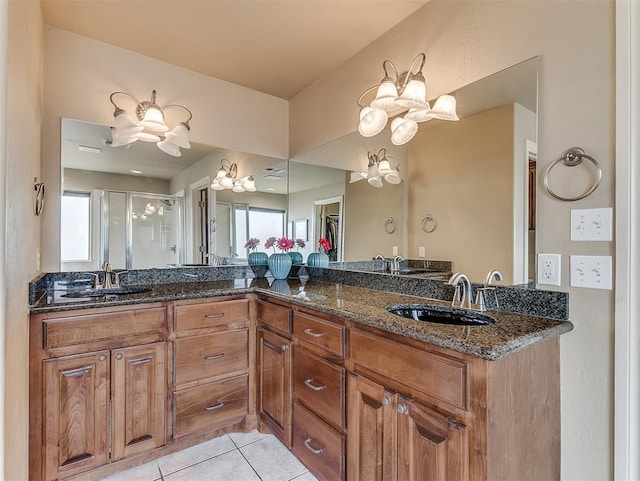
(39, 188)
(429, 224)
(390, 225)
(572, 157)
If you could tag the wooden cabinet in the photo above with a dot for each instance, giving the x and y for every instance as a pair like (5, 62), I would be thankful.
(319, 395)
(75, 414)
(274, 392)
(211, 366)
(102, 406)
(392, 437)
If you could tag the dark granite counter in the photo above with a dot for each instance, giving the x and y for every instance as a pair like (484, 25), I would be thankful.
(510, 332)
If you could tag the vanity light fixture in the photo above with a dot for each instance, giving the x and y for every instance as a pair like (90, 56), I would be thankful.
(226, 179)
(380, 167)
(395, 96)
(150, 125)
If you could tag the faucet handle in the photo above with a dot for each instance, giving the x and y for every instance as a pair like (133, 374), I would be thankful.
(96, 279)
(118, 274)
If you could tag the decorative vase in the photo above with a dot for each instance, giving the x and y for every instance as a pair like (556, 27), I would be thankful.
(259, 262)
(296, 258)
(318, 259)
(280, 265)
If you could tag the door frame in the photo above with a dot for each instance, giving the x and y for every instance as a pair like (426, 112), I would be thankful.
(330, 200)
(189, 216)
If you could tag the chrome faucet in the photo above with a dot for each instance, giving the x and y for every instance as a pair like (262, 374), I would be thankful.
(465, 296)
(481, 294)
(395, 264)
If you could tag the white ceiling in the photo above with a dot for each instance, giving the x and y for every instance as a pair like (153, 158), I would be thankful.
(277, 47)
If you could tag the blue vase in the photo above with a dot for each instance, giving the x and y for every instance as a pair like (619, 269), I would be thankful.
(296, 257)
(281, 286)
(259, 262)
(318, 259)
(280, 265)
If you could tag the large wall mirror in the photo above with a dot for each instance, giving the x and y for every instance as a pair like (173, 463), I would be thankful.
(468, 188)
(137, 207)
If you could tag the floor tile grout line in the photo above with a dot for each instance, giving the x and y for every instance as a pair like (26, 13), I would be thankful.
(249, 463)
(200, 462)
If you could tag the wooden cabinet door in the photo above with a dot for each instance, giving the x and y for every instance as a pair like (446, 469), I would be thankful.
(138, 383)
(274, 393)
(430, 446)
(75, 398)
(371, 438)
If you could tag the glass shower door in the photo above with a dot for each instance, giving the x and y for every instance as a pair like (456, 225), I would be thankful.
(154, 231)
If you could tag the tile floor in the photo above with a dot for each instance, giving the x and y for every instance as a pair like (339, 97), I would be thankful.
(234, 457)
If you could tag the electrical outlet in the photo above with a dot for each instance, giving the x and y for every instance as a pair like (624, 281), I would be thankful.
(421, 251)
(549, 269)
(395, 251)
(591, 224)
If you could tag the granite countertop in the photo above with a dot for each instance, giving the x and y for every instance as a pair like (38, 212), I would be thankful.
(511, 331)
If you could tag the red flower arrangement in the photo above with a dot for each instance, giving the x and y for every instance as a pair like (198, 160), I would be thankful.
(324, 245)
(283, 244)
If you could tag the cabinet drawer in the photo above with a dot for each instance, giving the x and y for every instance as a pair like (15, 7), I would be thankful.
(211, 405)
(319, 384)
(319, 332)
(193, 316)
(317, 445)
(274, 316)
(211, 355)
(441, 377)
(80, 329)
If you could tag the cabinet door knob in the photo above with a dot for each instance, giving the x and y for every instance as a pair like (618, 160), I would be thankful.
(307, 444)
(310, 385)
(401, 409)
(284, 347)
(386, 400)
(119, 356)
(102, 358)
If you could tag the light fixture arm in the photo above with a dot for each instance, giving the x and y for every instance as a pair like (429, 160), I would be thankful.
(418, 75)
(181, 107)
(119, 110)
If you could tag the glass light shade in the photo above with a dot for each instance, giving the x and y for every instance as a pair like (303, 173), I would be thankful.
(226, 182)
(384, 167)
(154, 120)
(418, 115)
(386, 96)
(169, 147)
(179, 136)
(250, 184)
(445, 108)
(402, 131)
(148, 137)
(372, 121)
(238, 187)
(372, 171)
(375, 181)
(356, 176)
(393, 177)
(215, 185)
(120, 140)
(413, 95)
(125, 126)
(221, 173)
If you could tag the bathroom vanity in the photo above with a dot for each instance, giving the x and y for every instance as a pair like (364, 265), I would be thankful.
(352, 390)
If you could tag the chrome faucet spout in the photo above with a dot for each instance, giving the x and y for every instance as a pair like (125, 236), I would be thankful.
(460, 280)
(492, 276)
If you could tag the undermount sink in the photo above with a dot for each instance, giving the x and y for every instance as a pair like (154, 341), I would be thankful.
(113, 291)
(441, 315)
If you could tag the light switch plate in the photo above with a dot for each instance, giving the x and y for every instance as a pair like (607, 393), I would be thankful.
(549, 269)
(421, 251)
(591, 271)
(394, 251)
(591, 224)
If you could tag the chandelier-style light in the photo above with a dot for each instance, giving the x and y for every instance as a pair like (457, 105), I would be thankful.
(380, 167)
(395, 96)
(149, 125)
(226, 179)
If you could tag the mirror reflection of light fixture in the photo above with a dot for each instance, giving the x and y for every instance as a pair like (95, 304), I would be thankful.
(150, 125)
(380, 167)
(395, 97)
(226, 179)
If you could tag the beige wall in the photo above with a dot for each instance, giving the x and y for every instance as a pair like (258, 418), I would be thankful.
(24, 112)
(365, 211)
(462, 173)
(468, 40)
(87, 180)
(80, 75)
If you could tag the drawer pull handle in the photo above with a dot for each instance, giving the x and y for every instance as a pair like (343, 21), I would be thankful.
(309, 384)
(213, 357)
(214, 407)
(307, 444)
(214, 316)
(312, 333)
